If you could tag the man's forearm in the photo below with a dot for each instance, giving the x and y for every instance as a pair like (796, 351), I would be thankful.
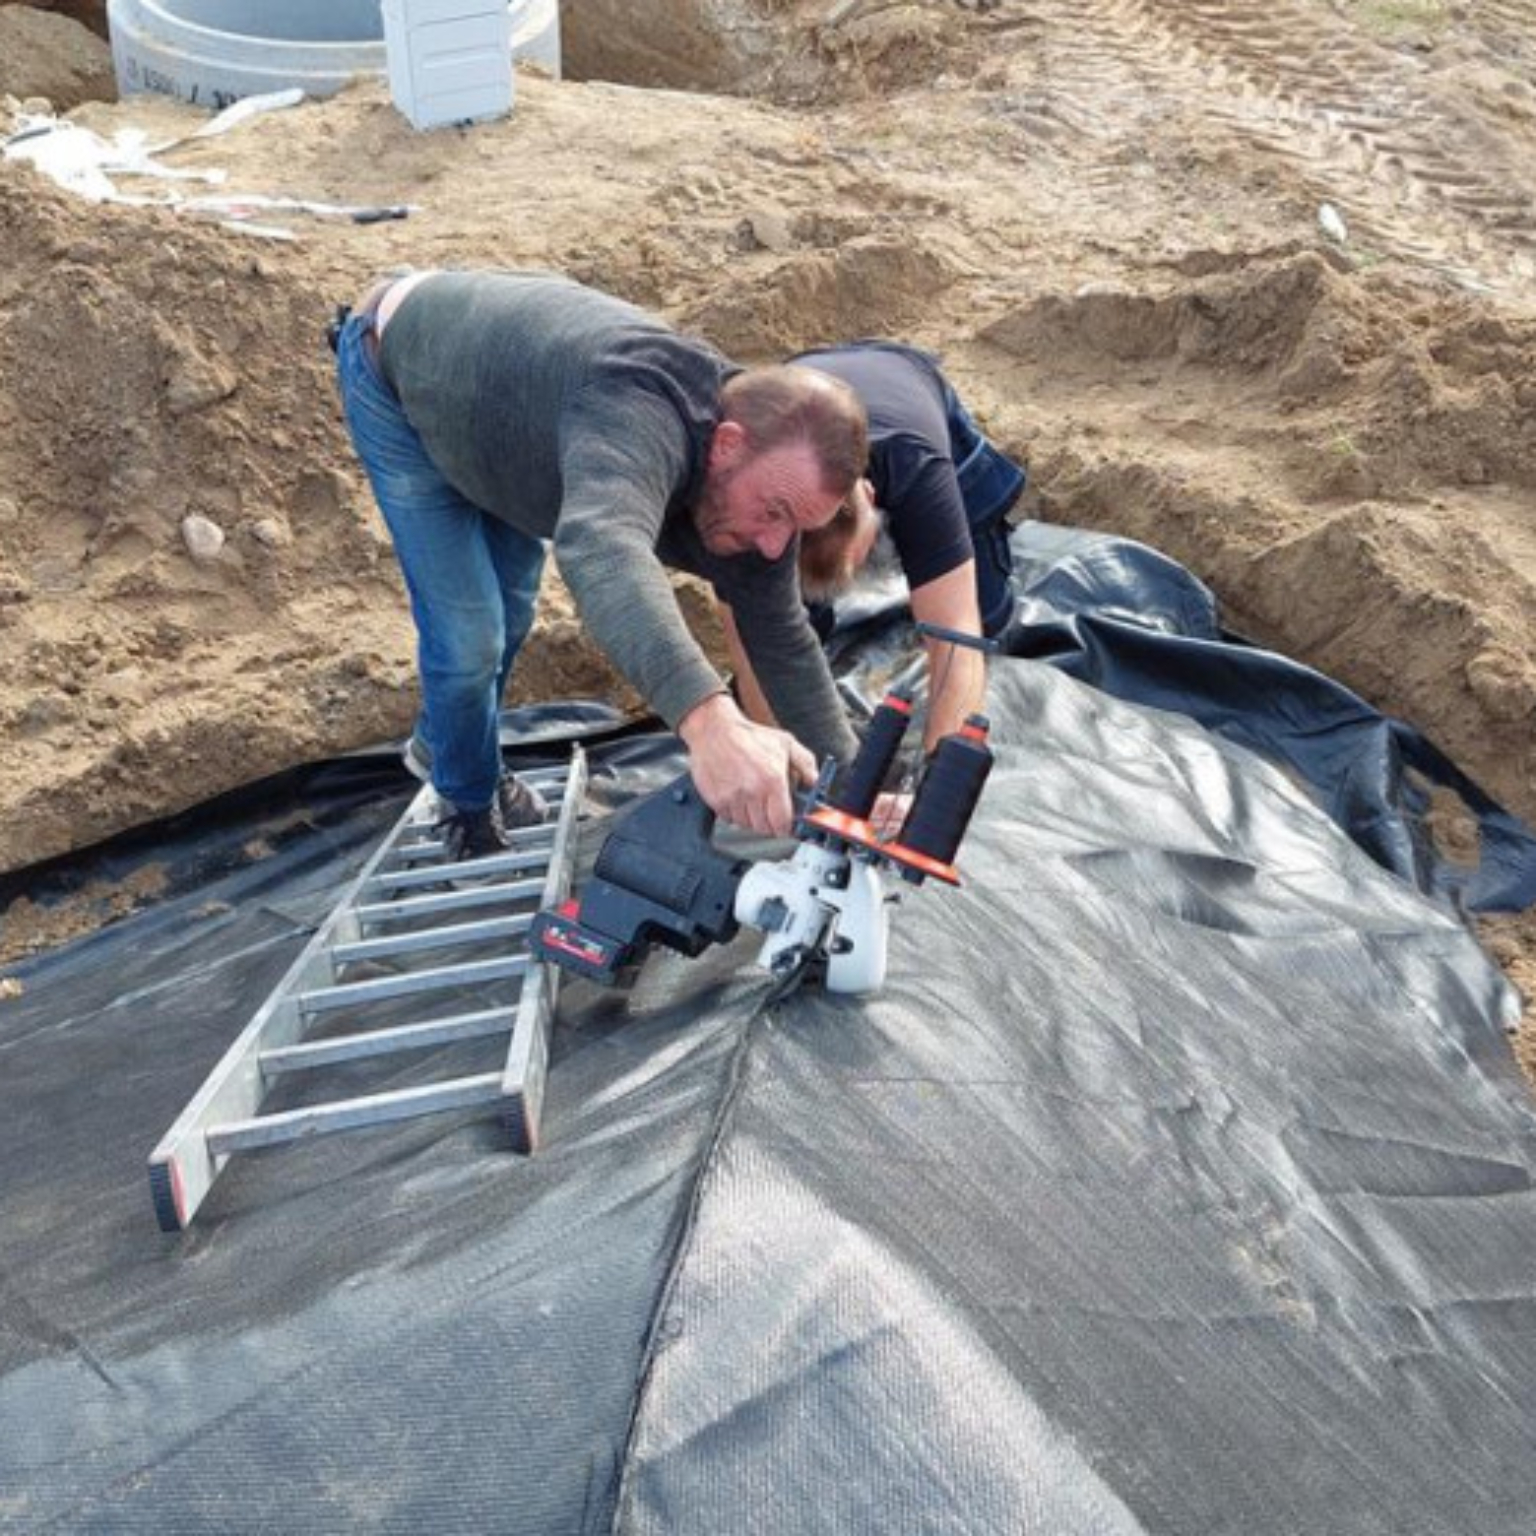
(628, 607)
(957, 688)
(957, 675)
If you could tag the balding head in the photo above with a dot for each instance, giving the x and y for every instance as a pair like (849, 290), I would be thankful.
(788, 404)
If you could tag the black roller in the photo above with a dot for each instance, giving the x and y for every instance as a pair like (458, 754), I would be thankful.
(947, 796)
(855, 789)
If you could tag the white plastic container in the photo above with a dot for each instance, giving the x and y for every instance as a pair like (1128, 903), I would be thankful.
(450, 61)
(213, 52)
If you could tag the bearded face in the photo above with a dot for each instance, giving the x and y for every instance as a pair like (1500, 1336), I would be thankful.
(762, 501)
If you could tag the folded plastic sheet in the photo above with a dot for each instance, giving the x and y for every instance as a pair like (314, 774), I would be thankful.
(1180, 1180)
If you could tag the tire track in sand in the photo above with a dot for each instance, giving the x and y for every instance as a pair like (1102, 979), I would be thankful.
(1372, 129)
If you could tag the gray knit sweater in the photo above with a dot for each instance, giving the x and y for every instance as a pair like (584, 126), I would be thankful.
(581, 419)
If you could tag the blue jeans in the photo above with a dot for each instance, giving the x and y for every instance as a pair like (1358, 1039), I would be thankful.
(990, 483)
(473, 579)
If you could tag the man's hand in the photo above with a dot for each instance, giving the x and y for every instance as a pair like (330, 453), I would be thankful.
(744, 772)
(889, 814)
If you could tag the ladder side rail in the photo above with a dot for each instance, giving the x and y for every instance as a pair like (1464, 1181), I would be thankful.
(527, 1064)
(181, 1167)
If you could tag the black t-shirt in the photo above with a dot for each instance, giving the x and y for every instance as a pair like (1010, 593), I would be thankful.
(910, 463)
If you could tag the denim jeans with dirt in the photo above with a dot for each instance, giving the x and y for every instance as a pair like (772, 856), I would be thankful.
(473, 579)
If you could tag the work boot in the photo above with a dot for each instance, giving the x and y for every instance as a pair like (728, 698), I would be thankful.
(521, 805)
(471, 834)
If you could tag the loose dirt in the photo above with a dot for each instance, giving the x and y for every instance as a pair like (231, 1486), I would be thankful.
(53, 57)
(1104, 214)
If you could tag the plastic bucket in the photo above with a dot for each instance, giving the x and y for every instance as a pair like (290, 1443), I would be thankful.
(214, 52)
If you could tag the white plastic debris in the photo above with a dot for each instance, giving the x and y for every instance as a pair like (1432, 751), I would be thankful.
(242, 205)
(245, 109)
(1331, 222)
(84, 163)
(233, 116)
(65, 154)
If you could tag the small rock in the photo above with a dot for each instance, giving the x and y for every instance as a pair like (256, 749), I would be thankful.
(1502, 684)
(1331, 222)
(771, 229)
(268, 531)
(204, 538)
(127, 685)
(51, 574)
(11, 987)
(196, 384)
(43, 713)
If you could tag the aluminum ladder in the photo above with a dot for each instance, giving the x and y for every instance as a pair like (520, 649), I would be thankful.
(397, 917)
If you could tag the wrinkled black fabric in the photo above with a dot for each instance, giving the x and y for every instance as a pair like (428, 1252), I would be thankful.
(1131, 621)
(1179, 1181)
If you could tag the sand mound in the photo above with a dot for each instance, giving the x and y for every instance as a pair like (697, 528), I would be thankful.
(176, 379)
(794, 52)
(1346, 457)
(53, 56)
(1105, 218)
(1294, 320)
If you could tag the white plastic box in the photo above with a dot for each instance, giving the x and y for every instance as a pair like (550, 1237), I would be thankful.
(450, 61)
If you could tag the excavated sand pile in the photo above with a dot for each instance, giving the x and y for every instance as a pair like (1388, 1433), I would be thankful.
(1103, 213)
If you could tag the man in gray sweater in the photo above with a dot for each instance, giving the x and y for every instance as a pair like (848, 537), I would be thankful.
(496, 410)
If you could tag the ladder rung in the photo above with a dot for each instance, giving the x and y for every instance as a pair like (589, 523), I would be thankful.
(447, 901)
(380, 1042)
(431, 938)
(353, 993)
(349, 1114)
(467, 869)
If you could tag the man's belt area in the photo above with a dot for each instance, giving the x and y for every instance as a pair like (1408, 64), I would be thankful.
(365, 309)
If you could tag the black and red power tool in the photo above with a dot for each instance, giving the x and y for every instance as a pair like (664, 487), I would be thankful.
(659, 879)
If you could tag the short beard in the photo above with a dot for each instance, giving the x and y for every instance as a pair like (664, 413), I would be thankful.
(709, 515)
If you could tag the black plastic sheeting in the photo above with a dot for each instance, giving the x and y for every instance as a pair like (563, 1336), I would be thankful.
(1180, 1180)
(1134, 623)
